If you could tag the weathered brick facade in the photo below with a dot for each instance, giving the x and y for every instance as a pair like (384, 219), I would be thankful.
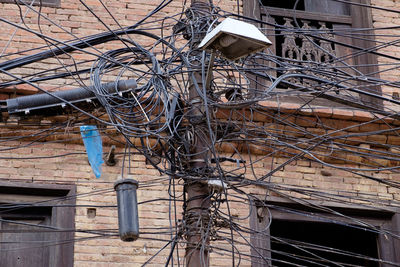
(72, 167)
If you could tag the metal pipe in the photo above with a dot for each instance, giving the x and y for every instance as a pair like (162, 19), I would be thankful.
(38, 101)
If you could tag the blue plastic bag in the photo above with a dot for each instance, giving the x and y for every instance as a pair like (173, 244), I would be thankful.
(94, 147)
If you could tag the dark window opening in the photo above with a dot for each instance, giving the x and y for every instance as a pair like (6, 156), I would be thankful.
(24, 240)
(36, 229)
(317, 45)
(288, 4)
(319, 6)
(348, 244)
(317, 35)
(293, 231)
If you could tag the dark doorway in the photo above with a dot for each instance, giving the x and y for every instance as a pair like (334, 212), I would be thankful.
(36, 225)
(321, 244)
(24, 239)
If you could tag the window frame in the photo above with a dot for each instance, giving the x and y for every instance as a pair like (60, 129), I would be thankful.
(45, 3)
(381, 217)
(252, 9)
(61, 200)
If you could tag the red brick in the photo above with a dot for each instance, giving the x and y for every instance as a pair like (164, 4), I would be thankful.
(362, 115)
(342, 114)
(394, 140)
(323, 112)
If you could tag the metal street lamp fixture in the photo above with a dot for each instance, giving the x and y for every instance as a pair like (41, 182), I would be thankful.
(235, 39)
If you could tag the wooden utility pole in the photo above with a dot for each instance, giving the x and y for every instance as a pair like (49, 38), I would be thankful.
(197, 210)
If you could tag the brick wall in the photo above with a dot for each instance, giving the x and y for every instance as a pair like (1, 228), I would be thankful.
(382, 19)
(300, 175)
(74, 168)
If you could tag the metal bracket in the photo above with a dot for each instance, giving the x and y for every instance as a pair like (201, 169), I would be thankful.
(110, 158)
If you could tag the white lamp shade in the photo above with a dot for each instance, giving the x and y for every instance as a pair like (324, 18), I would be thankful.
(235, 39)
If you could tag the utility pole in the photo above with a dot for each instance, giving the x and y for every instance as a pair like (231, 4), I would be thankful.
(197, 206)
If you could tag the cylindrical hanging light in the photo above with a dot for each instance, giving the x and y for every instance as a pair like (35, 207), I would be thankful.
(128, 219)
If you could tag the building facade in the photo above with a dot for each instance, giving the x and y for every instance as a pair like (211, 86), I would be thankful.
(304, 136)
